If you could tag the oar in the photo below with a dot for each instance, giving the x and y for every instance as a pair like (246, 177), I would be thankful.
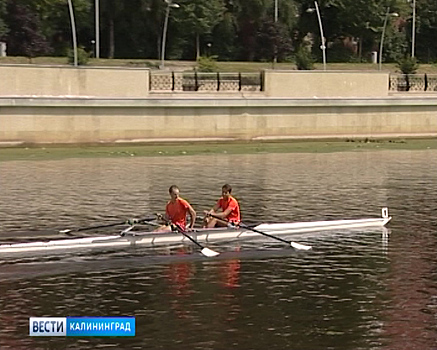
(291, 243)
(204, 250)
(130, 222)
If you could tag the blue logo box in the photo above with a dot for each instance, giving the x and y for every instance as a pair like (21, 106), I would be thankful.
(82, 326)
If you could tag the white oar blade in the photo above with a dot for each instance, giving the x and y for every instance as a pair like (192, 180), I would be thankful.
(300, 246)
(209, 252)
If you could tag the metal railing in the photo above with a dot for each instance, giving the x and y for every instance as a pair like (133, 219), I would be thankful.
(199, 81)
(413, 82)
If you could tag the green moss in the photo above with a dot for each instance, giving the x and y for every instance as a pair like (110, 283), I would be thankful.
(54, 152)
(242, 66)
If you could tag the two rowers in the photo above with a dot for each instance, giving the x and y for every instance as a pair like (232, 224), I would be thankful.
(225, 211)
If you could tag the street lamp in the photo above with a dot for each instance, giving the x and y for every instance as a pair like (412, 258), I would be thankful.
(73, 31)
(97, 14)
(275, 58)
(413, 30)
(381, 45)
(93, 43)
(170, 4)
(322, 36)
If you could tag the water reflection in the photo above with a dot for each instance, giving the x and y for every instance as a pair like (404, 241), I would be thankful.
(355, 290)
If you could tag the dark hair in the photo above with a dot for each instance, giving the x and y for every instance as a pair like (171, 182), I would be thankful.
(227, 188)
(173, 187)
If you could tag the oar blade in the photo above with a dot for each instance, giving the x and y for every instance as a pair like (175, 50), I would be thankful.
(209, 252)
(65, 231)
(300, 246)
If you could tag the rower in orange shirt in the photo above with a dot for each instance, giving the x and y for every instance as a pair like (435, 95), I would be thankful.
(176, 211)
(230, 210)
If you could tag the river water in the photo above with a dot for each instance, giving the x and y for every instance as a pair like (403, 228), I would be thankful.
(362, 289)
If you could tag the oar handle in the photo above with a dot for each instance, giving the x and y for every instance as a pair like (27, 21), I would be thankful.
(139, 221)
(228, 223)
(129, 222)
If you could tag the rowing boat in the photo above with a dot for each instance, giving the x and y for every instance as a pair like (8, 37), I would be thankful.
(133, 238)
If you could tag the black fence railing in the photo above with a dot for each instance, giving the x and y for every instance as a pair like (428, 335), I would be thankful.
(413, 82)
(200, 81)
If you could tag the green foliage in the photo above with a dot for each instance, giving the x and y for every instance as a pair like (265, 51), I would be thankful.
(395, 45)
(199, 17)
(341, 52)
(3, 26)
(82, 56)
(207, 64)
(25, 37)
(237, 29)
(408, 65)
(303, 59)
(224, 37)
(272, 40)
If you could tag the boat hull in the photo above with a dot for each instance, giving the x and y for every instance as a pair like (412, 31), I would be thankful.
(202, 236)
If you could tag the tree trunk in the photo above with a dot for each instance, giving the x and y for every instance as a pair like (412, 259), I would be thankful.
(111, 38)
(360, 48)
(197, 46)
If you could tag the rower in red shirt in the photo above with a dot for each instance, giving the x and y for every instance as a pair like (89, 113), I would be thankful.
(176, 211)
(230, 210)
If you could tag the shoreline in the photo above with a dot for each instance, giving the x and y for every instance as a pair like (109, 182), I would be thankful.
(63, 151)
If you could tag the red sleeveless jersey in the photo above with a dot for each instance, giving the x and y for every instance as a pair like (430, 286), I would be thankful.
(230, 203)
(177, 211)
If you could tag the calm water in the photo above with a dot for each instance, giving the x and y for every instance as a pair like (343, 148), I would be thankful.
(368, 289)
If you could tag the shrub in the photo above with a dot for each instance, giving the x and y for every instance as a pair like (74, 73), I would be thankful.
(207, 64)
(408, 65)
(304, 60)
(82, 56)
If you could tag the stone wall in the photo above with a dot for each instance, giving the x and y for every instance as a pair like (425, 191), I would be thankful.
(40, 81)
(150, 120)
(322, 84)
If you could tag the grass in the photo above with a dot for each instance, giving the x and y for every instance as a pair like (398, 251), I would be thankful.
(222, 66)
(55, 152)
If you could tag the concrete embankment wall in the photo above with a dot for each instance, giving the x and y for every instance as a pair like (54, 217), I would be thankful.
(40, 81)
(78, 120)
(109, 115)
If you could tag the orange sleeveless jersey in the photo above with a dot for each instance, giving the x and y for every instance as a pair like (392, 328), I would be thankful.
(232, 204)
(177, 211)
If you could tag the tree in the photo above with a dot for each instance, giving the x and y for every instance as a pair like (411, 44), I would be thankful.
(273, 40)
(24, 37)
(111, 12)
(249, 15)
(3, 26)
(426, 30)
(224, 37)
(199, 17)
(54, 22)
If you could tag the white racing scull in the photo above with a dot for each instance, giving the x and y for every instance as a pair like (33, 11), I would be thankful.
(132, 238)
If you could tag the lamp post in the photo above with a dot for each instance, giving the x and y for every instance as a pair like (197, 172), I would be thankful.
(322, 36)
(381, 44)
(97, 14)
(73, 31)
(170, 4)
(413, 30)
(275, 58)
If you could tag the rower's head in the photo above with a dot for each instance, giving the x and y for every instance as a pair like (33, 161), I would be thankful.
(174, 192)
(226, 191)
